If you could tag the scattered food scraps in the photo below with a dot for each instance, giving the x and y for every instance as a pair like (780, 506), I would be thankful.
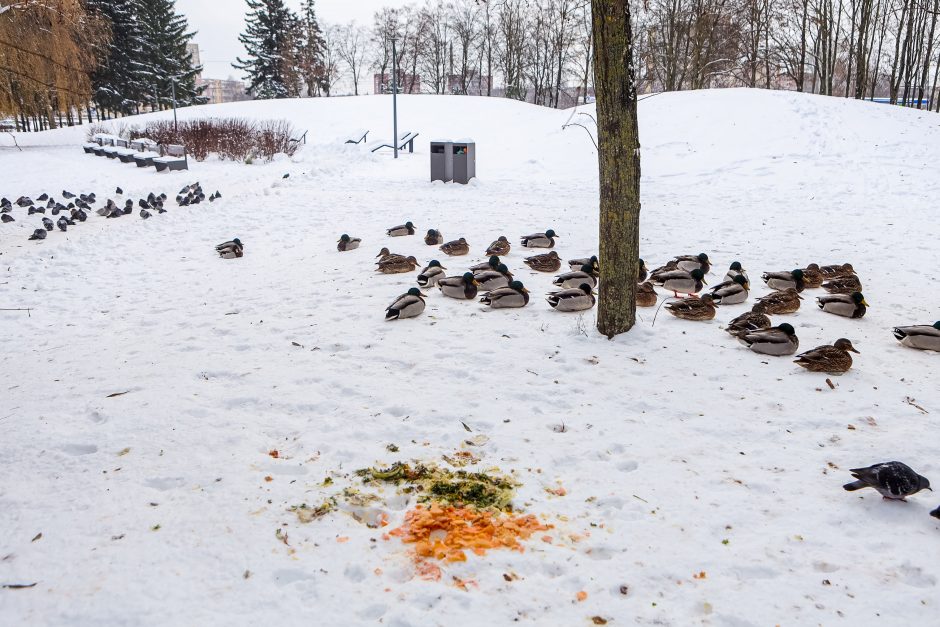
(444, 532)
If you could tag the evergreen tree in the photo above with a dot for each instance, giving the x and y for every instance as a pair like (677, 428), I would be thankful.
(118, 82)
(165, 59)
(311, 53)
(269, 39)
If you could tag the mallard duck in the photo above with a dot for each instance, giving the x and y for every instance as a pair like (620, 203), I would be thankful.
(779, 302)
(680, 281)
(433, 238)
(692, 262)
(645, 295)
(843, 285)
(231, 250)
(670, 266)
(693, 308)
(460, 287)
(921, 336)
(408, 305)
(385, 254)
(784, 280)
(812, 276)
(779, 340)
(576, 264)
(540, 240)
(493, 279)
(747, 322)
(492, 264)
(736, 269)
(401, 230)
(587, 274)
(346, 243)
(641, 272)
(846, 305)
(549, 262)
(456, 247)
(500, 247)
(574, 299)
(433, 273)
(235, 243)
(731, 292)
(833, 359)
(513, 296)
(397, 265)
(837, 270)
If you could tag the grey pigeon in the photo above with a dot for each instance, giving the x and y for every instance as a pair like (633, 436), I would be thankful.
(103, 211)
(48, 224)
(144, 214)
(67, 194)
(33, 210)
(38, 234)
(119, 191)
(43, 198)
(935, 513)
(62, 224)
(6, 217)
(893, 480)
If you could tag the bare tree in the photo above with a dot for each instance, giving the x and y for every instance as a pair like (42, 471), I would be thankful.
(352, 48)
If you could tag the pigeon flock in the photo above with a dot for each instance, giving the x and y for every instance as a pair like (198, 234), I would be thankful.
(75, 208)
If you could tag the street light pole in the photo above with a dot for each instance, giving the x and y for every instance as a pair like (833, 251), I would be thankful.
(173, 84)
(395, 98)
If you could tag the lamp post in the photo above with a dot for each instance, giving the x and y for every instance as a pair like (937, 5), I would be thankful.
(173, 84)
(394, 97)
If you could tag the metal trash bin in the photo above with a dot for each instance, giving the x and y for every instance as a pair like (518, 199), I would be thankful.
(442, 160)
(465, 160)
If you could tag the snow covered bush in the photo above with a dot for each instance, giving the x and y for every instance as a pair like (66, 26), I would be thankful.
(235, 139)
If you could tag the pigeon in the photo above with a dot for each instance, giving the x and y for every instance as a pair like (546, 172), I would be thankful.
(33, 210)
(143, 204)
(151, 199)
(935, 513)
(83, 197)
(38, 234)
(6, 218)
(6, 208)
(128, 203)
(78, 214)
(48, 224)
(104, 211)
(67, 195)
(128, 209)
(62, 224)
(50, 204)
(43, 198)
(23, 201)
(286, 176)
(144, 214)
(118, 191)
(893, 480)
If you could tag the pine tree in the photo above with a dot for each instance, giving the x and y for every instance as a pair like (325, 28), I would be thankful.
(166, 60)
(269, 40)
(118, 81)
(312, 46)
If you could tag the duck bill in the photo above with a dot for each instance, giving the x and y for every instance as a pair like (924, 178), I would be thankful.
(865, 302)
(854, 351)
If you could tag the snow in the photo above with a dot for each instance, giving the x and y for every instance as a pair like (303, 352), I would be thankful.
(680, 452)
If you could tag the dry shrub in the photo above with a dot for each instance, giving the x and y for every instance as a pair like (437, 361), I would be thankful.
(236, 139)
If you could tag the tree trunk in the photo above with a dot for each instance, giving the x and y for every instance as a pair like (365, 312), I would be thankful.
(618, 165)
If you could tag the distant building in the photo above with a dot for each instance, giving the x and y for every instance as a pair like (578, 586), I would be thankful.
(218, 91)
(193, 50)
(470, 85)
(407, 83)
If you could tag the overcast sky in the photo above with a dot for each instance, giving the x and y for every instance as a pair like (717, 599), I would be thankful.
(219, 23)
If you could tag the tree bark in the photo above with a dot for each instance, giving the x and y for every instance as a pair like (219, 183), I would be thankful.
(618, 165)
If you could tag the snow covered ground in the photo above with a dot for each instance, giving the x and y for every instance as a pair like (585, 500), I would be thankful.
(702, 482)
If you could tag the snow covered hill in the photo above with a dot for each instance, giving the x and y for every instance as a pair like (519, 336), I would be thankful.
(148, 385)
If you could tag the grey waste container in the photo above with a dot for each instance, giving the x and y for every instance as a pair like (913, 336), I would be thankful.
(442, 161)
(465, 160)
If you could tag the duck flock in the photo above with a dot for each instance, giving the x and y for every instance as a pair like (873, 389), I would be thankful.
(75, 208)
(683, 275)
